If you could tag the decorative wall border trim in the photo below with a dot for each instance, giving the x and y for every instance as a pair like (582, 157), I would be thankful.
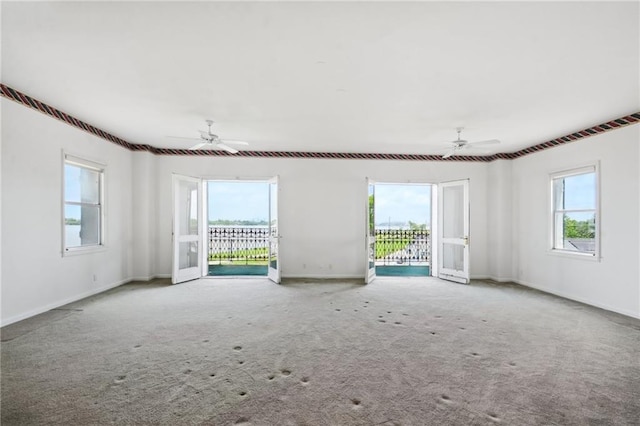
(30, 102)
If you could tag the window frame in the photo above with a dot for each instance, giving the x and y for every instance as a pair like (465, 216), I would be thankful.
(73, 160)
(592, 167)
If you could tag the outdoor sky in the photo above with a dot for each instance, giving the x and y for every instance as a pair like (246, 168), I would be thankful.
(250, 201)
(238, 200)
(580, 193)
(402, 203)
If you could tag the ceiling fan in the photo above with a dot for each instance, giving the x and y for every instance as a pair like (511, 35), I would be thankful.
(211, 140)
(461, 144)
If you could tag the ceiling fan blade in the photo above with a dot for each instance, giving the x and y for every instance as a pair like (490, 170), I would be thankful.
(198, 146)
(234, 142)
(487, 142)
(227, 148)
(449, 153)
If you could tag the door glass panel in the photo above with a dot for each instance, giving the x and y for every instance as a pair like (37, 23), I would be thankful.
(372, 255)
(371, 233)
(372, 209)
(273, 257)
(453, 220)
(453, 256)
(188, 203)
(188, 252)
(273, 225)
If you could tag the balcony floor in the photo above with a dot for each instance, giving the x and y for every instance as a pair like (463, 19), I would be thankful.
(402, 271)
(227, 270)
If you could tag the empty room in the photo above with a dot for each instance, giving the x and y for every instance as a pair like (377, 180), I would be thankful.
(320, 213)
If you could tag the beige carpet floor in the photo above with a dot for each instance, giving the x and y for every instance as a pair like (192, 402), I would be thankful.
(416, 351)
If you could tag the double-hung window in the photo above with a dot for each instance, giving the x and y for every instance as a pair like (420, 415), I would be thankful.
(83, 205)
(575, 211)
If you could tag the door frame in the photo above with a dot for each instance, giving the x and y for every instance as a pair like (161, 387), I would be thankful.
(274, 273)
(215, 178)
(370, 233)
(433, 188)
(182, 275)
(461, 276)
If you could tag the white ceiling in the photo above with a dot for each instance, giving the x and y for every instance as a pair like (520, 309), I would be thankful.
(335, 77)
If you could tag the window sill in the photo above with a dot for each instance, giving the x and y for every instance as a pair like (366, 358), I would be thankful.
(574, 255)
(76, 251)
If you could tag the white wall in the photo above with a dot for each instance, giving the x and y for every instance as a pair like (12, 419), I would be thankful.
(322, 215)
(499, 236)
(35, 276)
(323, 206)
(144, 215)
(612, 283)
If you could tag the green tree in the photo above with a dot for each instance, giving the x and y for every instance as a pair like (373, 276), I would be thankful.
(372, 225)
(579, 228)
(417, 226)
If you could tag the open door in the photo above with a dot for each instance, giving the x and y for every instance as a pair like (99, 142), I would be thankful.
(371, 233)
(453, 246)
(274, 235)
(187, 229)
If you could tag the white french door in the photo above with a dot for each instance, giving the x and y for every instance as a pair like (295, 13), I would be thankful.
(453, 246)
(187, 229)
(274, 235)
(370, 233)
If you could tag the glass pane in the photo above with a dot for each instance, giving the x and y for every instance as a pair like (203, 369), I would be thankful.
(372, 255)
(372, 221)
(578, 232)
(72, 226)
(273, 225)
(273, 248)
(453, 256)
(82, 225)
(188, 205)
(273, 204)
(81, 185)
(580, 192)
(453, 218)
(188, 252)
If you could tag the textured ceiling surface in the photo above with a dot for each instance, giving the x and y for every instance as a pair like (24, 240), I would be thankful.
(329, 77)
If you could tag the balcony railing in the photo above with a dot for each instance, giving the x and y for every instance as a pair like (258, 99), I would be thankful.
(408, 247)
(238, 245)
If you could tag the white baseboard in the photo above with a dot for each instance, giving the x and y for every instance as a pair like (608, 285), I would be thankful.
(151, 278)
(563, 295)
(62, 302)
(579, 299)
(142, 278)
(496, 279)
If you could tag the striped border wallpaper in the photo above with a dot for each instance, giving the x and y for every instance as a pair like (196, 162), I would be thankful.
(30, 102)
